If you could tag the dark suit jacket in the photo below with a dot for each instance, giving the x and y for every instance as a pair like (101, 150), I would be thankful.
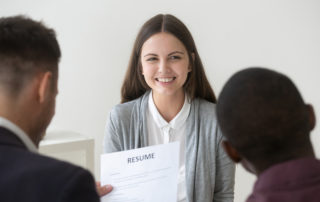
(30, 177)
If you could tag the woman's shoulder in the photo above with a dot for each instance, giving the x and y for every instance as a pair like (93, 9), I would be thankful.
(124, 109)
(204, 106)
(203, 115)
(120, 115)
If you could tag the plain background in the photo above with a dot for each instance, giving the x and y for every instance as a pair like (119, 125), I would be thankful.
(96, 39)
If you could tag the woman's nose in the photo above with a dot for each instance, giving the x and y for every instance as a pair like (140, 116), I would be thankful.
(163, 66)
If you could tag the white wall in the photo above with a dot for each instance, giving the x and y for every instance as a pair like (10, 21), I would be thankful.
(96, 38)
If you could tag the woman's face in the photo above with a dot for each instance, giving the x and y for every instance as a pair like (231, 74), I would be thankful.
(165, 64)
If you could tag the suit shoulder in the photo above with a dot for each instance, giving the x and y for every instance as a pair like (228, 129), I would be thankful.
(42, 164)
(66, 181)
(78, 183)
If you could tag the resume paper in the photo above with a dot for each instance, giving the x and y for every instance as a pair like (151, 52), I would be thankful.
(142, 175)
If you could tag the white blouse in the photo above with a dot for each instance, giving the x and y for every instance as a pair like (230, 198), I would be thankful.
(162, 132)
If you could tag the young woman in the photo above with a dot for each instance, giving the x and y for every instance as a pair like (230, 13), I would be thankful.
(166, 97)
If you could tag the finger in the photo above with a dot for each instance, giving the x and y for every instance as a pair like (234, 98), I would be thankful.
(103, 190)
(98, 184)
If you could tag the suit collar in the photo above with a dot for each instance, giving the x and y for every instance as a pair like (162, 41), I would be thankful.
(9, 138)
(19, 133)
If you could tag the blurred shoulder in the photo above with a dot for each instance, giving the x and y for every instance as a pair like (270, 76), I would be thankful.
(43, 164)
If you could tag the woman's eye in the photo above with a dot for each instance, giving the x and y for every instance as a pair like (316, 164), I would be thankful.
(175, 57)
(151, 59)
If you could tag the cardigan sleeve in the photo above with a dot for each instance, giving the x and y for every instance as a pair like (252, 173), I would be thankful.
(225, 174)
(111, 142)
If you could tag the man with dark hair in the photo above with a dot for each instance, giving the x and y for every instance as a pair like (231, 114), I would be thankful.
(267, 125)
(29, 57)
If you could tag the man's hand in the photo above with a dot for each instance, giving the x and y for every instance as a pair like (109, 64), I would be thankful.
(103, 190)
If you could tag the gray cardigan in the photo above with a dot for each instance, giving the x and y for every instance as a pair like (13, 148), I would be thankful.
(209, 172)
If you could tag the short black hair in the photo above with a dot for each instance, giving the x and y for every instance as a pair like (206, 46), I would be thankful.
(26, 47)
(262, 115)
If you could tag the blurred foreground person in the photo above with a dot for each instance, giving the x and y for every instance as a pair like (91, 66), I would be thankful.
(267, 126)
(29, 57)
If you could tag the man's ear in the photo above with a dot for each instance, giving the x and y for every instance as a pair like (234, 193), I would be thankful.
(232, 153)
(312, 117)
(44, 86)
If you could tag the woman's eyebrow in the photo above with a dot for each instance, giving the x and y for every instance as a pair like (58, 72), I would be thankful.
(150, 54)
(174, 52)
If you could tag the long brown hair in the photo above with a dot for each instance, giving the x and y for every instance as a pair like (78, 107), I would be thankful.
(196, 85)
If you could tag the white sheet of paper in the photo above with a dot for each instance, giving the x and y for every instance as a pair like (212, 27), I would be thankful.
(142, 175)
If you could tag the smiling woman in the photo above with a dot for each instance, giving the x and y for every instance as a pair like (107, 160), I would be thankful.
(165, 67)
(166, 97)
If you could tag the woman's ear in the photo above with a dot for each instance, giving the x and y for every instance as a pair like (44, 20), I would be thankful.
(232, 153)
(44, 86)
(140, 68)
(191, 62)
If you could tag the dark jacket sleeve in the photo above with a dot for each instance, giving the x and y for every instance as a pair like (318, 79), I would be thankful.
(80, 187)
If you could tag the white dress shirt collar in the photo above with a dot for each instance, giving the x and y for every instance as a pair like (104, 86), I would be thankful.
(5, 123)
(177, 121)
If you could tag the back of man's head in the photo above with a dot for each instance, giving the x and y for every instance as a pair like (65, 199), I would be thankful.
(29, 57)
(264, 117)
(27, 47)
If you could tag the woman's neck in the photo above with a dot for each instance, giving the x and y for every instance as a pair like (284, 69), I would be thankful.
(169, 105)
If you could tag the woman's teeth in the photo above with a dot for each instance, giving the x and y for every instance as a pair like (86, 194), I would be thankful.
(165, 79)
